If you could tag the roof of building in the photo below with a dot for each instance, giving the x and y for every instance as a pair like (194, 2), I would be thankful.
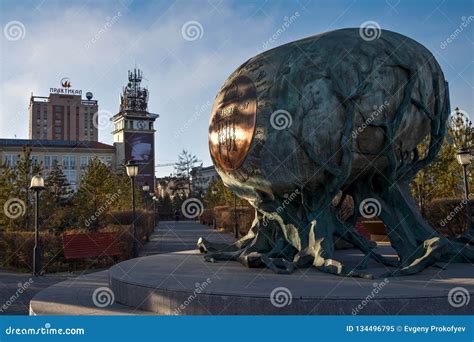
(55, 143)
(205, 169)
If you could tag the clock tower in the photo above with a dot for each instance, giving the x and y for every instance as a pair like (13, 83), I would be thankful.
(134, 132)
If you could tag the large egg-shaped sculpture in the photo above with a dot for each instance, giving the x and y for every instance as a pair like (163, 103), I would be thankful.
(296, 129)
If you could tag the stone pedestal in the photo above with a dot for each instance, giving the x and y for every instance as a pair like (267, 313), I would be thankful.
(184, 284)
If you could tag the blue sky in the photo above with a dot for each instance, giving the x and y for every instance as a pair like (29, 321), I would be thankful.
(94, 43)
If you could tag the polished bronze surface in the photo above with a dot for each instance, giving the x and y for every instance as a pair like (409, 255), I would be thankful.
(233, 123)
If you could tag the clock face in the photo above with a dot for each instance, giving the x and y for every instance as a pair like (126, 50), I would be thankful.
(141, 124)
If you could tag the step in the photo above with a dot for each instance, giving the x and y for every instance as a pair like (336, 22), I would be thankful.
(75, 298)
(185, 284)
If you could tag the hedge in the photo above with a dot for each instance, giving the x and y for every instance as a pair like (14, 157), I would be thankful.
(224, 218)
(447, 215)
(16, 247)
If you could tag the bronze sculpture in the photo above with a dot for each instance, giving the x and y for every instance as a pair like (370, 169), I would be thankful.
(326, 117)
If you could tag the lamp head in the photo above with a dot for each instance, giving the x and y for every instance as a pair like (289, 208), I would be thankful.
(37, 183)
(463, 156)
(132, 168)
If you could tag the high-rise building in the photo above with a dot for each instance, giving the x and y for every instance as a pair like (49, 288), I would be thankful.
(134, 134)
(64, 115)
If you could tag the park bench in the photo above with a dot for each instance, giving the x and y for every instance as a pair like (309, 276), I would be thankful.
(90, 245)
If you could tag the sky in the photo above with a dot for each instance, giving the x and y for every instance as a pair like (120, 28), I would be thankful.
(187, 49)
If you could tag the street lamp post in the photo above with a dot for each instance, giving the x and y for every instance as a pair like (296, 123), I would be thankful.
(152, 196)
(157, 212)
(463, 157)
(154, 199)
(37, 185)
(214, 194)
(146, 189)
(132, 172)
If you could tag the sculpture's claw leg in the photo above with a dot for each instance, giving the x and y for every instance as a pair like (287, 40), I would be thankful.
(251, 260)
(441, 266)
(467, 237)
(458, 252)
(364, 263)
(278, 265)
(338, 268)
(222, 256)
(384, 261)
(305, 258)
(429, 251)
(206, 246)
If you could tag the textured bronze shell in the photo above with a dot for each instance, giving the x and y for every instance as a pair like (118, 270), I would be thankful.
(233, 123)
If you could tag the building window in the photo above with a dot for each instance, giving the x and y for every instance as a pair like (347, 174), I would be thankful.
(69, 163)
(49, 162)
(10, 160)
(84, 162)
(35, 159)
(106, 160)
(70, 177)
